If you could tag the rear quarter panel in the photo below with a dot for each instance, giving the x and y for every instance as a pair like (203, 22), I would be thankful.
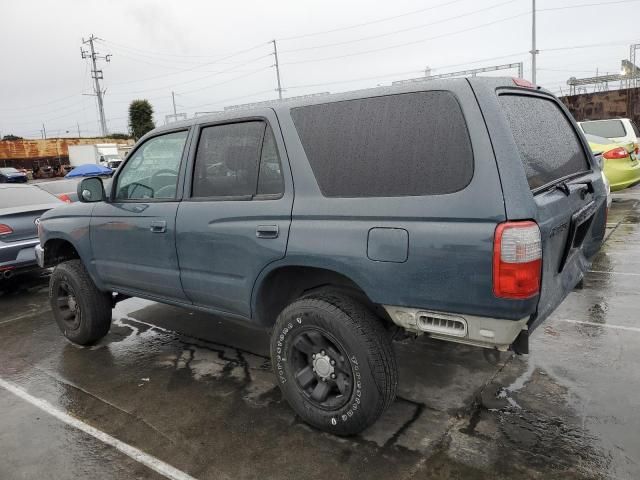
(450, 237)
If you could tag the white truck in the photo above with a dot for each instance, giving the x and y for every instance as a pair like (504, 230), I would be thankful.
(105, 154)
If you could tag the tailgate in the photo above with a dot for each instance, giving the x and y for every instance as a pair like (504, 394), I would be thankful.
(569, 199)
(571, 230)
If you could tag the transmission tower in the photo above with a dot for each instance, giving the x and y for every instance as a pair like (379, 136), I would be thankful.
(97, 76)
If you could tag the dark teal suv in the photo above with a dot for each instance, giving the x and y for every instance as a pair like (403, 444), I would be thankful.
(463, 209)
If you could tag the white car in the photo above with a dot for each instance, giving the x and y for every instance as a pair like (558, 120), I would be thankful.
(623, 130)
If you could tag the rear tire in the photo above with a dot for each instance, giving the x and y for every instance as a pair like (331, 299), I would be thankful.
(82, 312)
(334, 362)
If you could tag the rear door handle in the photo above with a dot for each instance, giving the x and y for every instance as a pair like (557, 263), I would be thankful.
(267, 231)
(158, 226)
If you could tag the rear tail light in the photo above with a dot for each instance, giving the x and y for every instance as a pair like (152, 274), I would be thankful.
(5, 229)
(64, 197)
(517, 260)
(616, 154)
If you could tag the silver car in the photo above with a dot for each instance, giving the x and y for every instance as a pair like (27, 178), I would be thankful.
(20, 209)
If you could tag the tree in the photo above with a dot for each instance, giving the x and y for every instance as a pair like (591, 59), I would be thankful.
(140, 118)
(11, 137)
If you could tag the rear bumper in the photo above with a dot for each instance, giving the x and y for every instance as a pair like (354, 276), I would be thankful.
(468, 329)
(622, 176)
(18, 255)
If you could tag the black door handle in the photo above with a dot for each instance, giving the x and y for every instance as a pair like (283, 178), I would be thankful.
(158, 226)
(267, 231)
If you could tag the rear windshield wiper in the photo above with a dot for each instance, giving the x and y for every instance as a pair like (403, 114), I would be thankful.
(564, 186)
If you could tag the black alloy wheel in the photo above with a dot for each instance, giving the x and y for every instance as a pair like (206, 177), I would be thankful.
(68, 305)
(323, 371)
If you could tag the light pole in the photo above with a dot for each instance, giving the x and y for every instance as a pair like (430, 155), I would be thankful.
(534, 50)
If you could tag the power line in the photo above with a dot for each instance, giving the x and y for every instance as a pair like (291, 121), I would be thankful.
(162, 62)
(592, 45)
(394, 32)
(372, 22)
(206, 64)
(414, 42)
(165, 54)
(168, 87)
(226, 81)
(23, 107)
(596, 4)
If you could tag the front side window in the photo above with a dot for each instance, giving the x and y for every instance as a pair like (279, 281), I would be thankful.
(237, 160)
(152, 171)
(270, 181)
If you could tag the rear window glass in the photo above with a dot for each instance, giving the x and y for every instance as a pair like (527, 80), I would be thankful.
(11, 197)
(397, 145)
(548, 144)
(605, 128)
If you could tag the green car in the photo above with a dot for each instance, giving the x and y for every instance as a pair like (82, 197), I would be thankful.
(620, 161)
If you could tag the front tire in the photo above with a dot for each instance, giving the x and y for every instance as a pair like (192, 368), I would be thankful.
(82, 312)
(334, 362)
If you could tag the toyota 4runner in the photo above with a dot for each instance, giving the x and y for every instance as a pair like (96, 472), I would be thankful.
(463, 209)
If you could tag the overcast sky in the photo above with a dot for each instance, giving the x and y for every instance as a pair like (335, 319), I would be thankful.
(217, 53)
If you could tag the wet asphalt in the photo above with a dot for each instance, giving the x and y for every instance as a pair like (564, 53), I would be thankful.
(197, 393)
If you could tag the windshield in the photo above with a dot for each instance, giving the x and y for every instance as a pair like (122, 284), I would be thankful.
(8, 170)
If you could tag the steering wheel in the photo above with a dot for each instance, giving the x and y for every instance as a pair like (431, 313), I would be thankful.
(166, 191)
(164, 171)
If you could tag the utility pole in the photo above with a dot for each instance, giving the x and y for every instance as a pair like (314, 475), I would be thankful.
(175, 116)
(534, 50)
(97, 76)
(44, 132)
(277, 65)
(78, 125)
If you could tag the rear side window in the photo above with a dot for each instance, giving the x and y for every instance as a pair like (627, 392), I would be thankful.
(548, 144)
(605, 128)
(397, 145)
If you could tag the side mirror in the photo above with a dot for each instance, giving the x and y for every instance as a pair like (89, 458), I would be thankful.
(91, 190)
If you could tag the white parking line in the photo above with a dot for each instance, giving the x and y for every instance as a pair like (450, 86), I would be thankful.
(616, 273)
(20, 317)
(594, 324)
(153, 463)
